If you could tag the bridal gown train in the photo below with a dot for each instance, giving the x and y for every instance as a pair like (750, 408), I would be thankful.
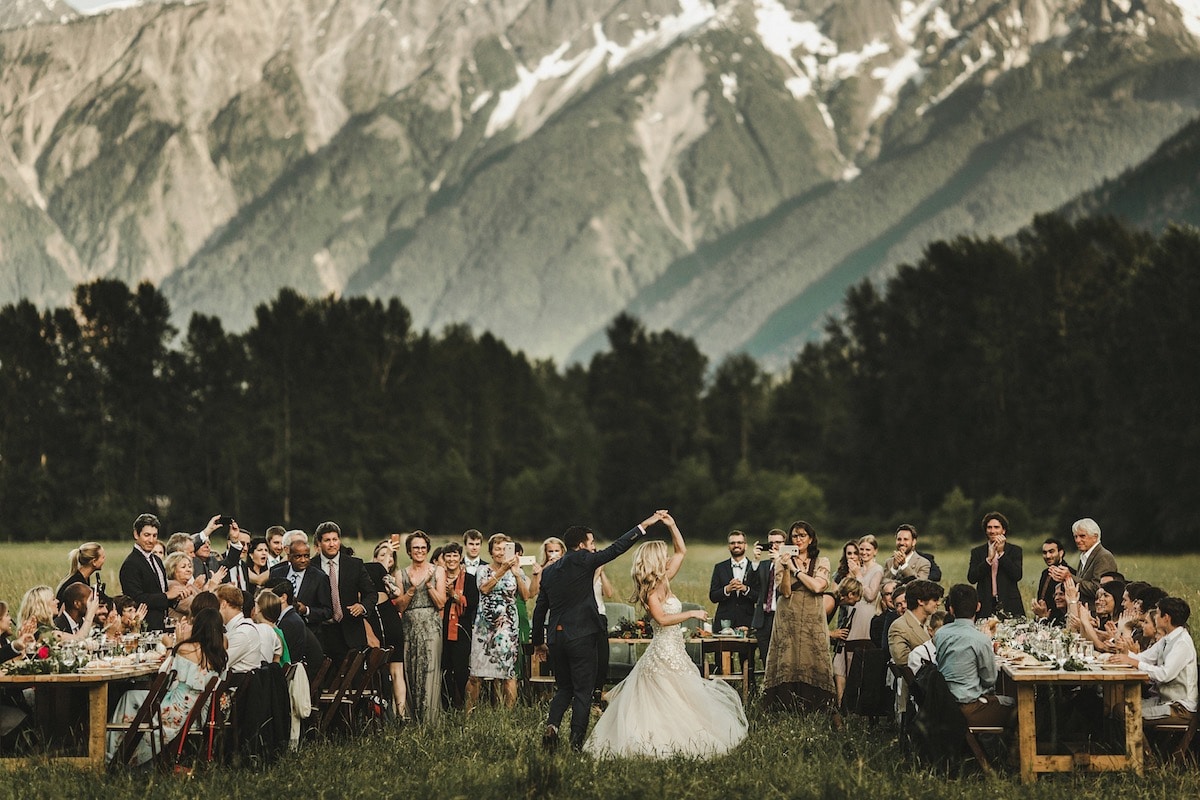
(664, 708)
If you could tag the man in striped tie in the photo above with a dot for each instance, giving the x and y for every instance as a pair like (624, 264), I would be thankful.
(351, 590)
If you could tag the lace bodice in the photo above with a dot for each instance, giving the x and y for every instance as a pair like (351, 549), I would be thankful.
(666, 652)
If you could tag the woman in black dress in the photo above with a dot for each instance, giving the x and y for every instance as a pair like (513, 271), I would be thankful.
(387, 622)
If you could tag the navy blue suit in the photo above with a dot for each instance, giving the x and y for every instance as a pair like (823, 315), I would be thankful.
(575, 629)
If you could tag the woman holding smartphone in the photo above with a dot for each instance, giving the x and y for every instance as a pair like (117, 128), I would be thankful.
(495, 642)
(799, 672)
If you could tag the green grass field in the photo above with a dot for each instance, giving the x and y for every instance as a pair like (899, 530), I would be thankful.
(495, 754)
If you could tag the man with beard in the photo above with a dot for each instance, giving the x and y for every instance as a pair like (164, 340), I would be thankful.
(1056, 571)
(732, 588)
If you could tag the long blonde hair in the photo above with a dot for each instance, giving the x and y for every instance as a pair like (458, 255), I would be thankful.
(37, 603)
(648, 571)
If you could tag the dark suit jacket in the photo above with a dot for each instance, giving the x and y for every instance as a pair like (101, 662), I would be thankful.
(1008, 575)
(354, 586)
(1045, 593)
(762, 575)
(139, 581)
(566, 593)
(737, 608)
(1100, 562)
(298, 638)
(314, 591)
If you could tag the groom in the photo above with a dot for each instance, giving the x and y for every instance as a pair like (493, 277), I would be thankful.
(575, 627)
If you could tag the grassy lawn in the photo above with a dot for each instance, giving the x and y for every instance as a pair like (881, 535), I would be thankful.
(496, 754)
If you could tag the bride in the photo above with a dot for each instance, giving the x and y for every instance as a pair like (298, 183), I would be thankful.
(664, 708)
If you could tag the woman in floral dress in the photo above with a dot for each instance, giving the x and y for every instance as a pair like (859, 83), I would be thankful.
(196, 661)
(495, 642)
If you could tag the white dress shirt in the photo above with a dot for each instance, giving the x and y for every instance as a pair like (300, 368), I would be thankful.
(1171, 664)
(245, 645)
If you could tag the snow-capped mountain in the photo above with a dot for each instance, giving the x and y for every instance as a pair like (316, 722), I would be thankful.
(535, 167)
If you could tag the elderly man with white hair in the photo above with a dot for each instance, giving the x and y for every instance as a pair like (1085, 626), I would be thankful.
(1094, 560)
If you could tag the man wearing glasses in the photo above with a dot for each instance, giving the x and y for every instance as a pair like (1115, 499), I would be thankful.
(312, 599)
(767, 598)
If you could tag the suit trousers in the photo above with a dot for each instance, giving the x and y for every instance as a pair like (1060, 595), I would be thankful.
(574, 665)
(763, 635)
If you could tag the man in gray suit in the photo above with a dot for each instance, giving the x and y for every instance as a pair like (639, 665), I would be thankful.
(1094, 560)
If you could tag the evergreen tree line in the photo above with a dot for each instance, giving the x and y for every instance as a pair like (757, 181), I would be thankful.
(1050, 377)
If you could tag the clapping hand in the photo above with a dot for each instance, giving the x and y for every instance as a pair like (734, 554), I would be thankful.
(1039, 608)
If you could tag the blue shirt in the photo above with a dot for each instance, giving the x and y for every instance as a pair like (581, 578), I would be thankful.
(966, 660)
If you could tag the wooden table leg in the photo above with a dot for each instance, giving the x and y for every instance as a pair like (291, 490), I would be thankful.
(1026, 732)
(1133, 726)
(97, 724)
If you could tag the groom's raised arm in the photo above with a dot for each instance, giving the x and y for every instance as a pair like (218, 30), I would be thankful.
(602, 557)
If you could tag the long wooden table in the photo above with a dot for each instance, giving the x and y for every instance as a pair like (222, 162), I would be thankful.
(96, 684)
(1122, 690)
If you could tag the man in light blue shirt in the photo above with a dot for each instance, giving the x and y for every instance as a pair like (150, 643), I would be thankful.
(966, 661)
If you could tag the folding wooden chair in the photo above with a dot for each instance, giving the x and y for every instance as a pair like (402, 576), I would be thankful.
(147, 722)
(171, 756)
(331, 699)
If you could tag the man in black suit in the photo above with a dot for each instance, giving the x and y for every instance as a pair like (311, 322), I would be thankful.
(566, 595)
(302, 643)
(143, 576)
(733, 588)
(996, 569)
(77, 608)
(765, 596)
(351, 590)
(1044, 605)
(310, 587)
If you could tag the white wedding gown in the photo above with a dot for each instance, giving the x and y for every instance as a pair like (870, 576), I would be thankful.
(664, 708)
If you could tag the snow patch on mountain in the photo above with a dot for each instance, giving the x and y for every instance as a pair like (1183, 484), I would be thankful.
(604, 53)
(1189, 12)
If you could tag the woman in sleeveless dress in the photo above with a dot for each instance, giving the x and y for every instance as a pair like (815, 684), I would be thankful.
(420, 603)
(799, 672)
(664, 708)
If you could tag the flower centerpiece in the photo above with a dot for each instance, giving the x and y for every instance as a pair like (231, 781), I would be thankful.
(632, 629)
(45, 655)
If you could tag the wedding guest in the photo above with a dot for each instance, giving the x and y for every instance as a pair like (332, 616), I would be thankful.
(143, 576)
(995, 569)
(889, 611)
(472, 545)
(258, 563)
(906, 563)
(386, 621)
(267, 609)
(798, 672)
(75, 608)
(13, 708)
(247, 647)
(1094, 560)
(85, 562)
(1171, 664)
(274, 536)
(927, 653)
(126, 617)
(731, 587)
(180, 579)
(180, 543)
(302, 643)
(311, 597)
(420, 604)
(196, 660)
(856, 627)
(290, 537)
(351, 592)
(1045, 604)
(458, 623)
(1106, 606)
(849, 562)
(552, 550)
(495, 643)
(909, 631)
(767, 597)
(531, 587)
(967, 662)
(39, 604)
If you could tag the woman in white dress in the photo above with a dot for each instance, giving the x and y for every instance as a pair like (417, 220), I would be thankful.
(664, 708)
